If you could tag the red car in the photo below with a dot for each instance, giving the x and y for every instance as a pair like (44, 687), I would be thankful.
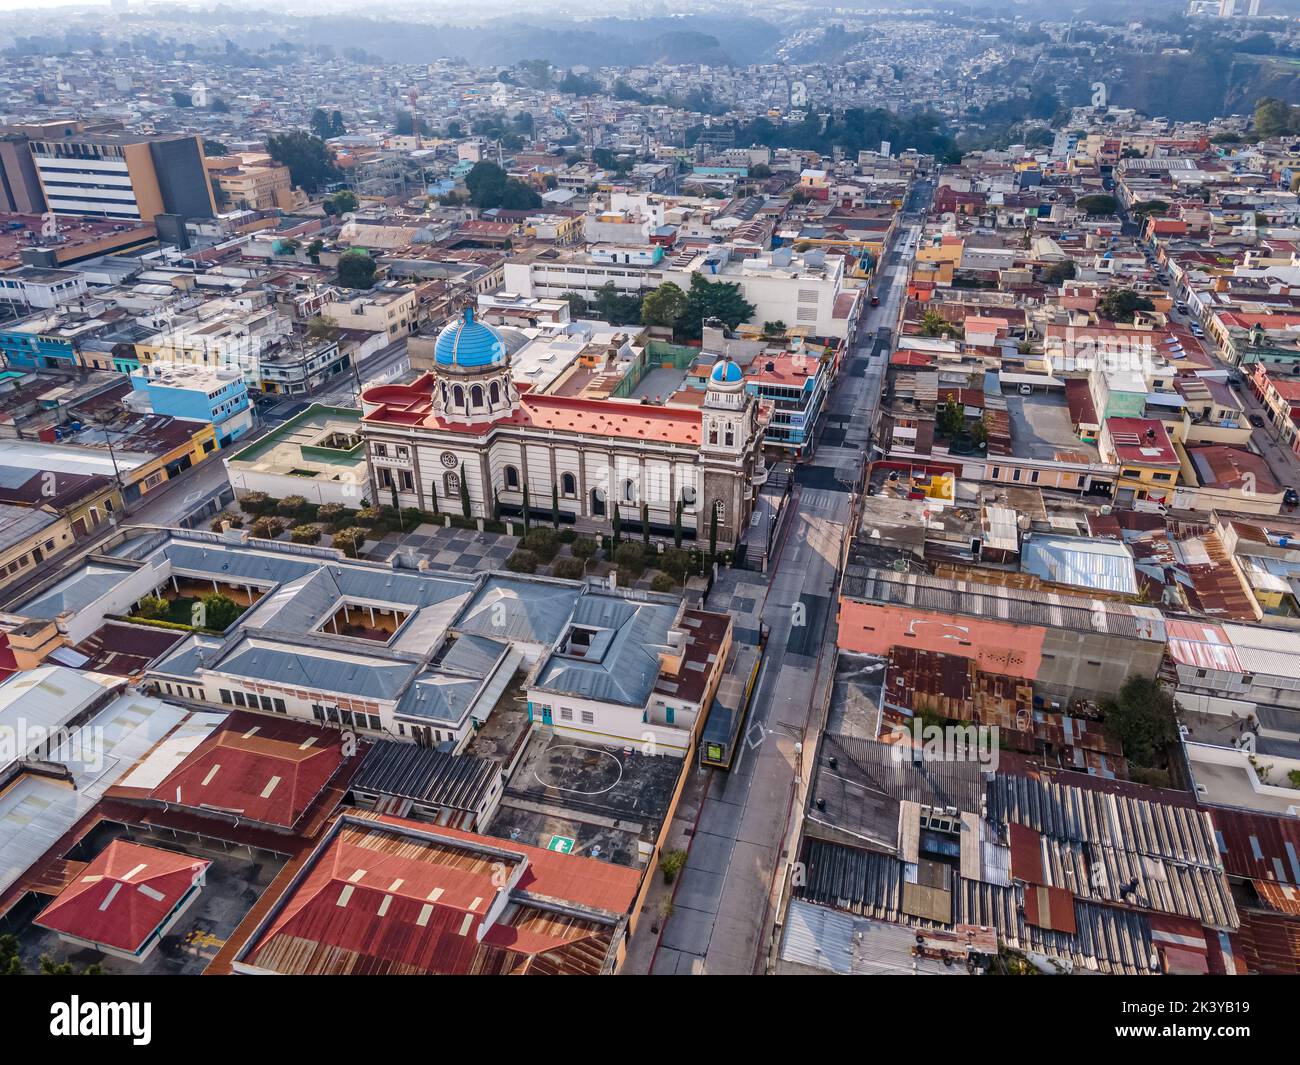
(875, 301)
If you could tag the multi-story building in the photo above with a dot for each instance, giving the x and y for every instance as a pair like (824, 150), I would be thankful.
(216, 396)
(124, 176)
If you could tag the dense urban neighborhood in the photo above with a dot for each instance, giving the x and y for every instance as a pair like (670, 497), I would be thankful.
(614, 496)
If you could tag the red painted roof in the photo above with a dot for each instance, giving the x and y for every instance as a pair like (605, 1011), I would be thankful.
(1141, 441)
(412, 405)
(263, 768)
(406, 903)
(121, 897)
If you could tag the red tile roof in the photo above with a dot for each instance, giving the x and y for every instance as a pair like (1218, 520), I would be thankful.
(121, 897)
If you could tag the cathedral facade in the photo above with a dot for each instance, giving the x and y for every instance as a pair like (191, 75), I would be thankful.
(467, 431)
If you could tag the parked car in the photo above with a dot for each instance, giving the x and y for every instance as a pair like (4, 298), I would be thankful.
(1026, 390)
(1198, 332)
(1291, 497)
(875, 300)
(1257, 421)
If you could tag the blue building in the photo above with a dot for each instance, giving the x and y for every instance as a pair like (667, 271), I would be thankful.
(219, 397)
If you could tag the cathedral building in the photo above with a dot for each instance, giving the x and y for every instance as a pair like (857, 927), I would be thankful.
(467, 430)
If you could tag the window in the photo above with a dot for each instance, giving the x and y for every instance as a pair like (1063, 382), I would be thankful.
(239, 699)
(381, 450)
(494, 394)
(720, 510)
(476, 396)
(280, 708)
(458, 396)
(512, 478)
(588, 717)
(451, 484)
(730, 436)
(568, 485)
(266, 702)
(566, 713)
(225, 697)
(629, 491)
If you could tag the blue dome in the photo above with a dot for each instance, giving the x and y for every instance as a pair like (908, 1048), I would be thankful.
(726, 372)
(469, 344)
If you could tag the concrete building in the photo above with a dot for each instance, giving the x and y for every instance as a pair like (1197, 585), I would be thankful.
(125, 176)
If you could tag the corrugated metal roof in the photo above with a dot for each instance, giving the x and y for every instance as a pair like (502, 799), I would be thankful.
(1101, 565)
(459, 781)
(970, 598)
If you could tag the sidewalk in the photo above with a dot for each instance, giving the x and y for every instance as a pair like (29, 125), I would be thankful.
(644, 946)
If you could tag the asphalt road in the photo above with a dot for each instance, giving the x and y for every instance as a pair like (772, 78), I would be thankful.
(724, 906)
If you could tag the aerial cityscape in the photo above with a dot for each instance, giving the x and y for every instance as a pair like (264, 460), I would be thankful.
(764, 488)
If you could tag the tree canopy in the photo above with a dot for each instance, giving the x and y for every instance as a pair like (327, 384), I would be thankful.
(1276, 118)
(310, 162)
(1142, 719)
(1121, 304)
(356, 269)
(490, 187)
(664, 306)
(713, 299)
(327, 124)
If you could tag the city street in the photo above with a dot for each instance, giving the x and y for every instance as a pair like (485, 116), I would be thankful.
(724, 904)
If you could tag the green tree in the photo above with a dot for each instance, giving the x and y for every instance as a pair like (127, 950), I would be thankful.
(310, 162)
(1056, 273)
(1143, 720)
(152, 607)
(1147, 207)
(220, 611)
(577, 304)
(1275, 118)
(181, 99)
(215, 147)
(356, 269)
(1097, 205)
(950, 418)
(713, 531)
(615, 307)
(489, 186)
(341, 202)
(677, 524)
(713, 299)
(934, 324)
(464, 493)
(583, 548)
(314, 249)
(1119, 305)
(320, 124)
(664, 306)
(526, 509)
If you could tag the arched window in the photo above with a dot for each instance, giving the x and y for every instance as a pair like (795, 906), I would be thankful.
(731, 435)
(451, 484)
(713, 432)
(512, 479)
(568, 485)
(629, 491)
(476, 396)
(720, 509)
(688, 494)
(494, 394)
(458, 396)
(444, 393)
